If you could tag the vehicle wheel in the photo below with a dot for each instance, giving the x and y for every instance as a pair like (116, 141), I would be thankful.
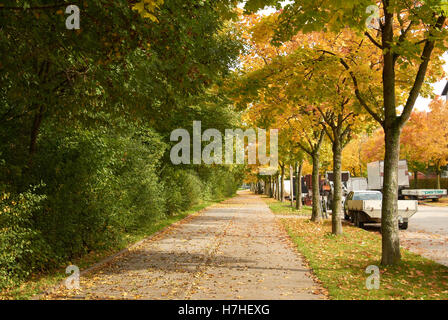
(403, 226)
(351, 217)
(346, 217)
(355, 219)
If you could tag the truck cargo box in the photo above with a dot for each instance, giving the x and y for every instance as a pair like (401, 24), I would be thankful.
(375, 171)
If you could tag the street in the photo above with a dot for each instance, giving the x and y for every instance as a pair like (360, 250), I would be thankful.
(427, 234)
(430, 219)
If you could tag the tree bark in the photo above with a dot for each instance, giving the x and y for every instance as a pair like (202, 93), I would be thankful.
(276, 187)
(291, 185)
(282, 186)
(389, 220)
(336, 204)
(35, 131)
(317, 212)
(268, 187)
(299, 186)
(389, 223)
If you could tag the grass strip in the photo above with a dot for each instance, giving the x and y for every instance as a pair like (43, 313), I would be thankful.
(285, 208)
(340, 263)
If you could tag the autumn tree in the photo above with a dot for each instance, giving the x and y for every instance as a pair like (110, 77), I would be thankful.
(435, 136)
(408, 35)
(262, 86)
(341, 114)
(424, 139)
(352, 156)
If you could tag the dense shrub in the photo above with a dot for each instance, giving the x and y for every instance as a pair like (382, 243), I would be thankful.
(22, 248)
(182, 189)
(220, 182)
(97, 186)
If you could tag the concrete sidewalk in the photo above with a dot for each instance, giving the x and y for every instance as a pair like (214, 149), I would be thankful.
(234, 250)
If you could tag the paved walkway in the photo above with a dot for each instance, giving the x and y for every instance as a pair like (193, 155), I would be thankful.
(234, 250)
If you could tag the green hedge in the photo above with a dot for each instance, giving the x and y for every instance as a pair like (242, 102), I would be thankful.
(95, 188)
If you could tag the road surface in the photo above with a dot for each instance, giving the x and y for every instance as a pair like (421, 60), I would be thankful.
(427, 234)
(234, 250)
(430, 219)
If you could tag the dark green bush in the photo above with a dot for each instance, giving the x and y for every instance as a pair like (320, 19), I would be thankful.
(182, 189)
(22, 248)
(97, 187)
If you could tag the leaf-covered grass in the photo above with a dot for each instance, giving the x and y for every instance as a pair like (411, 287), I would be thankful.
(443, 202)
(40, 282)
(340, 264)
(284, 208)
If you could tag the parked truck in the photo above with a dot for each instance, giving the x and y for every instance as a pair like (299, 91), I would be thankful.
(363, 207)
(423, 194)
(357, 183)
(375, 171)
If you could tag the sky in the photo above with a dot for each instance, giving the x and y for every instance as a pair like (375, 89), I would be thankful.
(422, 103)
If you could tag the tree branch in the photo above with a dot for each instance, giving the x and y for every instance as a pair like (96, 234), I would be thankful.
(376, 43)
(357, 92)
(420, 77)
(50, 6)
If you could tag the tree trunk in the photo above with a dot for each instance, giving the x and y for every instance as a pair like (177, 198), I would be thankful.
(276, 187)
(268, 186)
(291, 185)
(389, 220)
(299, 186)
(316, 213)
(389, 223)
(35, 131)
(438, 180)
(282, 182)
(336, 204)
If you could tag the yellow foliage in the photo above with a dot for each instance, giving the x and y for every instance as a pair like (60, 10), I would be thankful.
(147, 8)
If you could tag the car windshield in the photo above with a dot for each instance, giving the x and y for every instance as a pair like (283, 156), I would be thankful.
(367, 196)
